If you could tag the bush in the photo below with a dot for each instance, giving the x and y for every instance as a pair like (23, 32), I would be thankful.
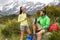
(53, 36)
(53, 12)
(4, 19)
(11, 27)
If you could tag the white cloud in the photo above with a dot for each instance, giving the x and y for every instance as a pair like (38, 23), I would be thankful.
(5, 1)
(42, 1)
(1, 7)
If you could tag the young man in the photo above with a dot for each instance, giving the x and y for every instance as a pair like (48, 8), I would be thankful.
(44, 22)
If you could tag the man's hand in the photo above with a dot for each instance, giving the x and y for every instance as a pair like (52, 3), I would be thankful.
(39, 29)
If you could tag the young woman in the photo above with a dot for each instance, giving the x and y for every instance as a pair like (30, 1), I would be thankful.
(22, 19)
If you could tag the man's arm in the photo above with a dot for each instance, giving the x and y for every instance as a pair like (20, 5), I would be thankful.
(38, 24)
(47, 24)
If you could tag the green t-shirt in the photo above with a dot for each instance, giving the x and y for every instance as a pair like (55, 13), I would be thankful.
(44, 22)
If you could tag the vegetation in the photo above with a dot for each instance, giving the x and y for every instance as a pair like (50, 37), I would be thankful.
(53, 36)
(10, 27)
(54, 13)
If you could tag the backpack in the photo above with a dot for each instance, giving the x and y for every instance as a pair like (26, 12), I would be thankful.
(29, 37)
(53, 27)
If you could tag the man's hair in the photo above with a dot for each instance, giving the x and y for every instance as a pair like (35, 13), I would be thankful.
(44, 11)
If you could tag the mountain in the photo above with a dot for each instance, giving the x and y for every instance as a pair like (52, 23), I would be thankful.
(58, 5)
(14, 7)
(55, 2)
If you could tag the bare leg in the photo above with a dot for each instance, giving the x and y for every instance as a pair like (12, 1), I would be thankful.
(39, 36)
(28, 31)
(34, 29)
(22, 35)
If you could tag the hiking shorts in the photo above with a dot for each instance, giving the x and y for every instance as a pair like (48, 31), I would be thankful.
(24, 27)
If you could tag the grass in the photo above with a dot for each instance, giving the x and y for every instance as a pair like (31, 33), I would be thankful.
(13, 37)
(5, 20)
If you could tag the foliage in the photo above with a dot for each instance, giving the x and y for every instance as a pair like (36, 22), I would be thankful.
(11, 27)
(4, 19)
(53, 36)
(53, 12)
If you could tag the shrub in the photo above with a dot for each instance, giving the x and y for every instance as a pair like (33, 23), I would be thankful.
(53, 12)
(11, 27)
(53, 36)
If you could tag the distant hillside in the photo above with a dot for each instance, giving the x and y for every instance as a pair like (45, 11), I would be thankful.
(58, 5)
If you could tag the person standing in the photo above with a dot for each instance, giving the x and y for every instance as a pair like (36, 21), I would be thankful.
(22, 19)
